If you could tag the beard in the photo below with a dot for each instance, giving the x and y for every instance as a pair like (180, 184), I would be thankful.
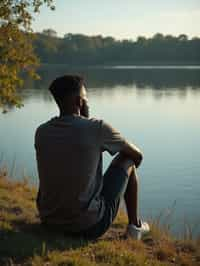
(84, 111)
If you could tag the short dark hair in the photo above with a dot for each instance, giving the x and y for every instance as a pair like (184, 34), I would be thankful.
(66, 85)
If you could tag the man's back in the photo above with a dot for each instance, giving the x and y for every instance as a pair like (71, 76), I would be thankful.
(69, 156)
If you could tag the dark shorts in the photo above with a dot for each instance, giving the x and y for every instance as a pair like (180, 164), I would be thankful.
(114, 187)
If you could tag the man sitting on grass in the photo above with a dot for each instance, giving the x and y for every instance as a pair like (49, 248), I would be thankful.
(74, 196)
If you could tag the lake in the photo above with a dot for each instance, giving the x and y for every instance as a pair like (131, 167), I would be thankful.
(157, 108)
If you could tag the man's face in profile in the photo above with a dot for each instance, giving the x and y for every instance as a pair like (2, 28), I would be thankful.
(84, 111)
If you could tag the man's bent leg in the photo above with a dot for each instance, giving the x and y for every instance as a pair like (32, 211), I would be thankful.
(131, 193)
(116, 184)
(116, 178)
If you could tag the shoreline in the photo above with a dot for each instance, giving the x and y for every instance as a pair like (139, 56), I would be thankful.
(164, 65)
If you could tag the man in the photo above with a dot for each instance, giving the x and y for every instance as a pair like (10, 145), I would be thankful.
(73, 194)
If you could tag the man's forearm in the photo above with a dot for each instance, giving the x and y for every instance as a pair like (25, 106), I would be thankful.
(137, 160)
(134, 153)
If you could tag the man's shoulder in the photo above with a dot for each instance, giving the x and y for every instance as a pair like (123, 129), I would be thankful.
(91, 120)
(94, 122)
(43, 126)
(104, 127)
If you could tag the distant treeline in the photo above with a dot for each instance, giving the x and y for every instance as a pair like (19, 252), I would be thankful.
(79, 49)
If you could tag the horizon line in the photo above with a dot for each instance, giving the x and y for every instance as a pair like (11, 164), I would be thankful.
(190, 37)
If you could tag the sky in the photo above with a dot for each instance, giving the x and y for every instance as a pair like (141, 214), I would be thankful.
(122, 19)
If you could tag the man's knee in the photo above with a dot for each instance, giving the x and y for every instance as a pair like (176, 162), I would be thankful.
(124, 162)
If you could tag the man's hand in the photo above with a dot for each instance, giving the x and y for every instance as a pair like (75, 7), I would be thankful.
(84, 111)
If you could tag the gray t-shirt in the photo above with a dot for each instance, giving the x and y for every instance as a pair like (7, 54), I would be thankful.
(69, 159)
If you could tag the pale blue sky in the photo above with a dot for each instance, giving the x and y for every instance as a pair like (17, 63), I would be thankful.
(122, 19)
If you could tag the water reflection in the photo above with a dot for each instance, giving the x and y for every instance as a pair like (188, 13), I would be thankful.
(141, 78)
(108, 81)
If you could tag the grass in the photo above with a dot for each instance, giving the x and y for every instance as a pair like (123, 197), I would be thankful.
(24, 242)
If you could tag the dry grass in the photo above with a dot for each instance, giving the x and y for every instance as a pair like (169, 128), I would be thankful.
(24, 242)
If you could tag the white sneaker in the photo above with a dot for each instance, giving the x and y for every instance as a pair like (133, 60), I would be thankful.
(137, 232)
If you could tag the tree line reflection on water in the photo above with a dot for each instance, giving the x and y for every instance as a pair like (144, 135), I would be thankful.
(101, 79)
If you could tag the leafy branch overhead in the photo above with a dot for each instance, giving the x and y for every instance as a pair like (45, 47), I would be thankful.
(16, 50)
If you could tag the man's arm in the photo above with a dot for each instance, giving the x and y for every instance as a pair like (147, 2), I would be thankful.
(113, 142)
(132, 152)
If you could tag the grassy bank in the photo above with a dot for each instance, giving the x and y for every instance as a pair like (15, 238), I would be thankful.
(24, 242)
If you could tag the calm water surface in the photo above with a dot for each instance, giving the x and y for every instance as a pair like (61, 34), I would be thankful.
(156, 108)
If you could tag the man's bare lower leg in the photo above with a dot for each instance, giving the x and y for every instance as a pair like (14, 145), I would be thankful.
(131, 193)
(131, 198)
